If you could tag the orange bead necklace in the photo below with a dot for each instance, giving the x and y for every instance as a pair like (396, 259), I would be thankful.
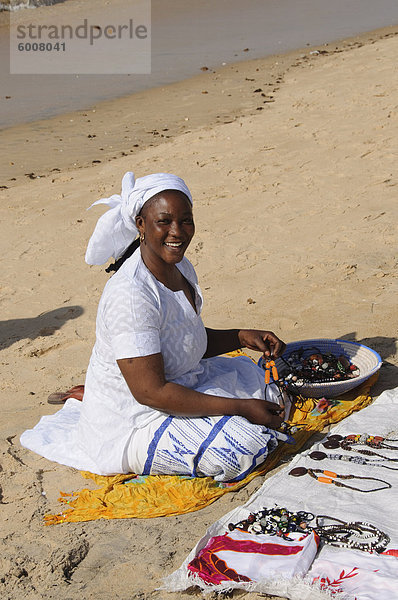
(330, 477)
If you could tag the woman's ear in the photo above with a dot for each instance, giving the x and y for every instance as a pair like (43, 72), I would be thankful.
(139, 221)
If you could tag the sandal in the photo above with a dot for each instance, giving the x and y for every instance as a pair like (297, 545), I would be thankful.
(60, 397)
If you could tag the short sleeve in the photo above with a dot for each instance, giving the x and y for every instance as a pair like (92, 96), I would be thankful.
(131, 318)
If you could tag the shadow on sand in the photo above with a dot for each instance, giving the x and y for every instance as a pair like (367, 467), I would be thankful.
(387, 348)
(44, 324)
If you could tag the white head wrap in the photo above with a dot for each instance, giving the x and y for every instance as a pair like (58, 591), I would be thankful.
(116, 229)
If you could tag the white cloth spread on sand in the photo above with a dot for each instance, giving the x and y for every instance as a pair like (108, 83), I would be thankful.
(116, 229)
(353, 574)
(339, 573)
(112, 432)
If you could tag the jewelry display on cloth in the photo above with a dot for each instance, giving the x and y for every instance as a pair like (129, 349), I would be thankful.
(330, 478)
(275, 521)
(360, 439)
(284, 550)
(318, 455)
(281, 522)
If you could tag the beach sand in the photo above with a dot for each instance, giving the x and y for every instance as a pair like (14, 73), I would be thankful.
(296, 214)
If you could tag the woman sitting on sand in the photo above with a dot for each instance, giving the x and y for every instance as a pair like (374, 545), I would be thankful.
(158, 399)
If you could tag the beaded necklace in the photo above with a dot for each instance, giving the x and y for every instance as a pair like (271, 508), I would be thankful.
(270, 366)
(364, 439)
(330, 477)
(281, 522)
(357, 535)
(317, 455)
(303, 366)
(275, 521)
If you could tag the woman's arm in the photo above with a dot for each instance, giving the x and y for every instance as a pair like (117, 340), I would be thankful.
(145, 378)
(221, 341)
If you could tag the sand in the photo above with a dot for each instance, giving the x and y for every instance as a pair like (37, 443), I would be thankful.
(296, 214)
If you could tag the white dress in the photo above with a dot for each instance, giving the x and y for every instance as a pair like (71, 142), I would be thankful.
(110, 432)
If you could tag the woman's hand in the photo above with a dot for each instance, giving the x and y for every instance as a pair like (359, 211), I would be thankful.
(262, 412)
(262, 341)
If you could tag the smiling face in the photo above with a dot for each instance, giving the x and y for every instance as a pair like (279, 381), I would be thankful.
(167, 222)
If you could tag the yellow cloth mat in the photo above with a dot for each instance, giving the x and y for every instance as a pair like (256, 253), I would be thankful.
(128, 496)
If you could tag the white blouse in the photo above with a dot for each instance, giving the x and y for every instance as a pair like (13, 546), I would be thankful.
(137, 316)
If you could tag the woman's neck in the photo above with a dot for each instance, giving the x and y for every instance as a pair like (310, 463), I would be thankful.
(168, 274)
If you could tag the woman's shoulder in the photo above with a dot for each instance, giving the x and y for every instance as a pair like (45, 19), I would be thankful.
(131, 280)
(187, 269)
(132, 272)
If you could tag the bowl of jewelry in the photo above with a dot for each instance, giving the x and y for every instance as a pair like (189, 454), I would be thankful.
(324, 367)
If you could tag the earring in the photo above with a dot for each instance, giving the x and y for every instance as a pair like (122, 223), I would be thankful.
(142, 237)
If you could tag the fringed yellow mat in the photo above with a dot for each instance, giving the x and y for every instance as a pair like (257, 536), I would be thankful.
(128, 496)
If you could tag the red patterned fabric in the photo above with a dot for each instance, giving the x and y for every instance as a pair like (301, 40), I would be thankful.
(241, 556)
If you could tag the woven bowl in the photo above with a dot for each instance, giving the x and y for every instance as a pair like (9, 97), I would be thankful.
(367, 360)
